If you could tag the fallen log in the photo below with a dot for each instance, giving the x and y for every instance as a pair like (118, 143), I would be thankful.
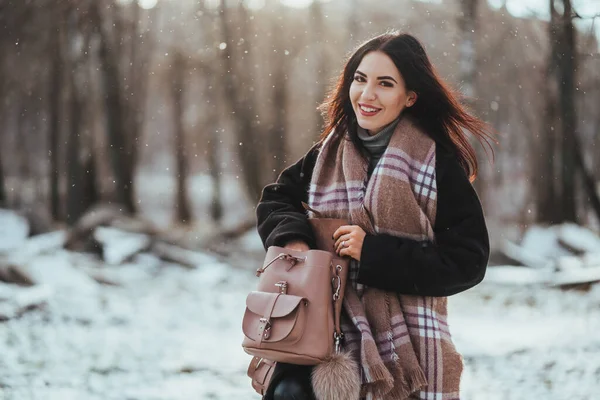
(187, 258)
(524, 257)
(119, 246)
(575, 276)
(11, 269)
(14, 301)
(11, 273)
(80, 236)
(578, 240)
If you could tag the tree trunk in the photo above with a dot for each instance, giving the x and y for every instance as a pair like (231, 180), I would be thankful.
(467, 23)
(211, 123)
(135, 101)
(214, 169)
(568, 119)
(212, 154)
(354, 27)
(547, 188)
(115, 117)
(277, 137)
(547, 210)
(75, 208)
(183, 210)
(3, 199)
(54, 102)
(90, 194)
(81, 190)
(589, 183)
(243, 109)
(322, 71)
(24, 174)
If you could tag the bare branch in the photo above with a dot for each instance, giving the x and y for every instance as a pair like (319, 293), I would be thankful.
(576, 15)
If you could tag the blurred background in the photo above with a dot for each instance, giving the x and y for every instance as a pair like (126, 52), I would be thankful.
(136, 137)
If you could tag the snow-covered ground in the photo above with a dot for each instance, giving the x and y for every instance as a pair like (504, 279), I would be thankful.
(173, 333)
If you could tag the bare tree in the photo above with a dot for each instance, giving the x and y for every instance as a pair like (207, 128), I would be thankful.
(467, 23)
(589, 182)
(557, 190)
(277, 132)
(54, 104)
(241, 101)
(567, 69)
(22, 149)
(136, 71)
(354, 23)
(183, 209)
(78, 39)
(3, 200)
(214, 169)
(548, 211)
(211, 79)
(124, 86)
(322, 71)
(114, 110)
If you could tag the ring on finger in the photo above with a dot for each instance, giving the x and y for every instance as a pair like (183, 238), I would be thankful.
(343, 243)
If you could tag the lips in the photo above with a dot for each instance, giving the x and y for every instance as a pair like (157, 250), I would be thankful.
(367, 110)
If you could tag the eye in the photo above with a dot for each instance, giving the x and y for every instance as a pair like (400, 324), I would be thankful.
(359, 78)
(387, 84)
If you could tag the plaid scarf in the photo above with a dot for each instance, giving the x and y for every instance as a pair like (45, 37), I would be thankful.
(401, 342)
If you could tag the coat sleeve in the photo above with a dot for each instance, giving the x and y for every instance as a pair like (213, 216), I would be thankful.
(280, 215)
(456, 261)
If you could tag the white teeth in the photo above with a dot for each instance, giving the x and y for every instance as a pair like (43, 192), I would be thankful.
(368, 109)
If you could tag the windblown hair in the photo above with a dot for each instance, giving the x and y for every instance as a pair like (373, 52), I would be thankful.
(437, 110)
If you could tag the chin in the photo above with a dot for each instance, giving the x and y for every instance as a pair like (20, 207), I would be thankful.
(367, 125)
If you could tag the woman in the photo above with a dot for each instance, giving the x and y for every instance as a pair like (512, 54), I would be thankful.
(393, 160)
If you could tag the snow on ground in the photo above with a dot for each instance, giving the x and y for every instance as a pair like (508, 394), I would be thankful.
(168, 333)
(174, 333)
(528, 342)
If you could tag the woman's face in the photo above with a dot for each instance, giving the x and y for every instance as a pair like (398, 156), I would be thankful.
(378, 93)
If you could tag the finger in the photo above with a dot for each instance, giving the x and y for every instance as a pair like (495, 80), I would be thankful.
(343, 252)
(346, 252)
(345, 237)
(339, 246)
(341, 231)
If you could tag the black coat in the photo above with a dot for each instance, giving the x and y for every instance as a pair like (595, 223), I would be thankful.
(456, 261)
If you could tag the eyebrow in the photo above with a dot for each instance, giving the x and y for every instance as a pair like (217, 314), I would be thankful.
(379, 77)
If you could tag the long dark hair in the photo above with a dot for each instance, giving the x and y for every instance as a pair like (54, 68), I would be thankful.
(437, 110)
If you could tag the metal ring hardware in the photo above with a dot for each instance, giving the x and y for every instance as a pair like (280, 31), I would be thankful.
(281, 256)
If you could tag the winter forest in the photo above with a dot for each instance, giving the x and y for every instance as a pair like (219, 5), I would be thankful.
(136, 137)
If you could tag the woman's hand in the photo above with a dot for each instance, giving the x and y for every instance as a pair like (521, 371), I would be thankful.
(297, 245)
(349, 241)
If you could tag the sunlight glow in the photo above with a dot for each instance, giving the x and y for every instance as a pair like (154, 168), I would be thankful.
(297, 3)
(255, 4)
(147, 4)
(212, 4)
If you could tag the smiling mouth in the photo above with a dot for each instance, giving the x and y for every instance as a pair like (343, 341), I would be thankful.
(368, 111)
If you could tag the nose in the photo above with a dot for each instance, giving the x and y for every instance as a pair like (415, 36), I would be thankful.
(369, 93)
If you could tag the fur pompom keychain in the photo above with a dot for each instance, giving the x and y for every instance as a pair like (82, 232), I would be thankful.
(337, 379)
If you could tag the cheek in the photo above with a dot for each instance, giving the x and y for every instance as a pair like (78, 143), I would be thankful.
(354, 93)
(397, 102)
